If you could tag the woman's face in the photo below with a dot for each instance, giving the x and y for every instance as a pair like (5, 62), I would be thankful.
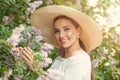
(65, 32)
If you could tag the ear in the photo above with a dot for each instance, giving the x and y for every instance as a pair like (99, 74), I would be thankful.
(79, 30)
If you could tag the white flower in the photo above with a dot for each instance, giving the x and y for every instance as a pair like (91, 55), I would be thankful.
(54, 73)
(15, 52)
(13, 40)
(37, 31)
(18, 30)
(7, 74)
(113, 15)
(39, 78)
(110, 63)
(18, 77)
(92, 2)
(42, 77)
(101, 20)
(30, 10)
(107, 64)
(95, 63)
(5, 19)
(32, 6)
(38, 38)
(44, 54)
(28, 1)
(48, 60)
(8, 19)
(5, 78)
(43, 64)
(0, 78)
(47, 47)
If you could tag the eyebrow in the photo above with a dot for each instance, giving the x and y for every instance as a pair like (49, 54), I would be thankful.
(62, 27)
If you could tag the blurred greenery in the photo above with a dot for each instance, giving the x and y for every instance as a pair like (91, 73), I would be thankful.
(108, 52)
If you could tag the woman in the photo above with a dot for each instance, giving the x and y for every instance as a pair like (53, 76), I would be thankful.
(74, 34)
(74, 62)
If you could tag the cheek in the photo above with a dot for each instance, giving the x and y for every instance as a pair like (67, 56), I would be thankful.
(56, 36)
(69, 33)
(72, 34)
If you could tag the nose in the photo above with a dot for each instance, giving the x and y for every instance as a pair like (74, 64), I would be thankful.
(62, 34)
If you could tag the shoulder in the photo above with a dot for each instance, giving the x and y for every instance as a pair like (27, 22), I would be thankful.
(80, 64)
(79, 59)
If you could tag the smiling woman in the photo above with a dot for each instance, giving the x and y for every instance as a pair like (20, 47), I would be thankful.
(74, 33)
(67, 33)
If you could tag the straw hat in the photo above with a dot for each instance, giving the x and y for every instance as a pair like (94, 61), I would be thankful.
(43, 18)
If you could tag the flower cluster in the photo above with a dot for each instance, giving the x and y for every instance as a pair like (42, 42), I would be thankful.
(32, 6)
(8, 19)
(28, 37)
(14, 39)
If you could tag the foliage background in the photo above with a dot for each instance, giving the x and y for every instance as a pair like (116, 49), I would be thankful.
(105, 58)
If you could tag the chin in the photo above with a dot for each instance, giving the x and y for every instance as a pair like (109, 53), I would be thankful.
(65, 46)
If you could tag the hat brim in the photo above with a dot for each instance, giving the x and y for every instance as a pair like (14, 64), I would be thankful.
(42, 18)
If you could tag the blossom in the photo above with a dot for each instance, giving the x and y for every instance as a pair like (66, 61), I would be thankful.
(18, 30)
(95, 63)
(37, 32)
(47, 47)
(113, 15)
(32, 33)
(8, 19)
(32, 6)
(51, 73)
(101, 20)
(46, 62)
(92, 2)
(5, 19)
(7, 74)
(0, 78)
(4, 78)
(44, 54)
(14, 39)
(42, 77)
(15, 52)
(38, 38)
(18, 77)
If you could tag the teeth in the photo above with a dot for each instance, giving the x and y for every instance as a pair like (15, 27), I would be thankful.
(63, 41)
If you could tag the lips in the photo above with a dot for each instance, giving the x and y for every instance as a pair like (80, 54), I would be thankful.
(63, 41)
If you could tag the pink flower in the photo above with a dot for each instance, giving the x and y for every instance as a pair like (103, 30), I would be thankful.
(54, 73)
(32, 6)
(15, 52)
(95, 63)
(43, 64)
(18, 30)
(38, 38)
(5, 19)
(47, 47)
(44, 54)
(42, 77)
(46, 62)
(14, 39)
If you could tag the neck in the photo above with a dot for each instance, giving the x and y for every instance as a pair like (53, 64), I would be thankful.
(70, 50)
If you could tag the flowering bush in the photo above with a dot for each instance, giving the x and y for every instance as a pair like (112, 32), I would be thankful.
(37, 61)
(14, 19)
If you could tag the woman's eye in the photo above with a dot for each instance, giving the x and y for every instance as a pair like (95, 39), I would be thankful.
(56, 31)
(66, 29)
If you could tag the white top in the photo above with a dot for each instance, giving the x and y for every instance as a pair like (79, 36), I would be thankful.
(77, 67)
